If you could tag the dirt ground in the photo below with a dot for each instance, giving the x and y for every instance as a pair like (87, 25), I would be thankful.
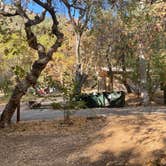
(118, 140)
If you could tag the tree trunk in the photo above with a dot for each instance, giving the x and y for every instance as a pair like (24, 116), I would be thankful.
(143, 77)
(124, 79)
(18, 112)
(111, 78)
(78, 43)
(80, 77)
(149, 79)
(43, 56)
(164, 91)
(21, 89)
(127, 86)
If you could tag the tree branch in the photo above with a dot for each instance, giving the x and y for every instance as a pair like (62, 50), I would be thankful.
(37, 20)
(6, 14)
(47, 6)
(85, 12)
(68, 6)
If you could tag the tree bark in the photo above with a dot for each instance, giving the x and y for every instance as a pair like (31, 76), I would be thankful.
(143, 77)
(124, 79)
(164, 92)
(80, 79)
(18, 113)
(80, 76)
(78, 43)
(111, 79)
(127, 86)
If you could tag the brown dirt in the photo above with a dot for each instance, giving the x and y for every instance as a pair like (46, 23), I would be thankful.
(114, 141)
(134, 100)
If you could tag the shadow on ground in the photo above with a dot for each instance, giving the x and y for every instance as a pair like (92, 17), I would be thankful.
(118, 140)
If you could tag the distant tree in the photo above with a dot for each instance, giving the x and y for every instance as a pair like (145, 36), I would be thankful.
(79, 12)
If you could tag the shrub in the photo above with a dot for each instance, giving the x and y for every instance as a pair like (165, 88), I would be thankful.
(56, 106)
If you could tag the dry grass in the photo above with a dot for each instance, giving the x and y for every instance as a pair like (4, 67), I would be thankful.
(116, 141)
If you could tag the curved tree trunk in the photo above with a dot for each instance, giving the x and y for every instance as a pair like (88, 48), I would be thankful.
(43, 56)
(20, 90)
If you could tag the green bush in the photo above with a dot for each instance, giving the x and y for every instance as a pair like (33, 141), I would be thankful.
(56, 106)
(75, 105)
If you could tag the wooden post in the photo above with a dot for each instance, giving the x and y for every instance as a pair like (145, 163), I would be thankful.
(163, 88)
(105, 84)
(111, 82)
(164, 95)
(98, 84)
(18, 112)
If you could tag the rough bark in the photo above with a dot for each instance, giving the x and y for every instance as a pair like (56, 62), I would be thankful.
(43, 57)
(77, 51)
(164, 92)
(110, 72)
(80, 76)
(80, 79)
(124, 79)
(143, 77)
(127, 86)
(111, 79)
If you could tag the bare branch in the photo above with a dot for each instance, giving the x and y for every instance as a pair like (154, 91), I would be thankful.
(48, 7)
(84, 14)
(68, 6)
(37, 20)
(31, 37)
(6, 14)
(87, 17)
(32, 40)
(20, 10)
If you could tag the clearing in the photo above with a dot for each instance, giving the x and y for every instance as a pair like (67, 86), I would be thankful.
(117, 140)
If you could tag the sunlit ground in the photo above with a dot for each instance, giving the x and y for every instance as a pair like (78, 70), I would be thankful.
(121, 139)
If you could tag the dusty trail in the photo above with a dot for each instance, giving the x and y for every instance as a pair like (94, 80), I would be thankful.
(125, 137)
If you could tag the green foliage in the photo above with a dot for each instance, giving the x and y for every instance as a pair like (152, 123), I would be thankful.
(19, 72)
(121, 25)
(56, 106)
(5, 86)
(75, 105)
(68, 86)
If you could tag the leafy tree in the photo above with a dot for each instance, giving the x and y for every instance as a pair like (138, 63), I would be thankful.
(79, 13)
(44, 55)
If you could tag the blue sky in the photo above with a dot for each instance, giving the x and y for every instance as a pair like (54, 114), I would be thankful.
(37, 9)
(32, 6)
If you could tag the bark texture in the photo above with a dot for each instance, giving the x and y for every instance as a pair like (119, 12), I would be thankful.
(80, 76)
(143, 77)
(124, 76)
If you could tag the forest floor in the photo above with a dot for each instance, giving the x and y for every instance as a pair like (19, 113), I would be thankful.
(116, 140)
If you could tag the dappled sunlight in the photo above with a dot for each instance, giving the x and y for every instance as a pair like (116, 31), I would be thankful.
(144, 134)
(123, 139)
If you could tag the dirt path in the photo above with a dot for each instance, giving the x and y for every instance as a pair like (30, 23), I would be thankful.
(119, 140)
(46, 114)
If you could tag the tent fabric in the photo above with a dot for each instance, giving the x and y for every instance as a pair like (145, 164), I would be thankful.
(104, 99)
